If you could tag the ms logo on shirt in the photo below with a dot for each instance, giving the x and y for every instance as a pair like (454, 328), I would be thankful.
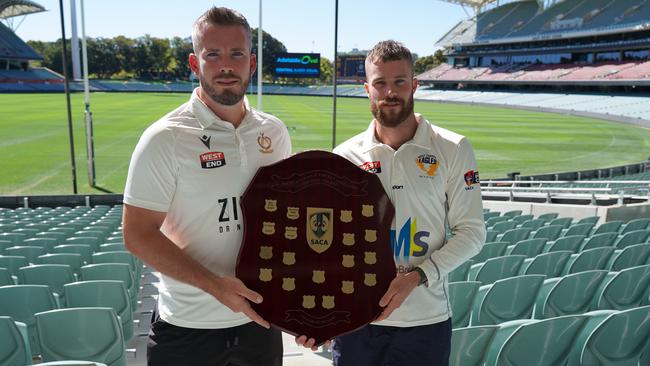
(409, 242)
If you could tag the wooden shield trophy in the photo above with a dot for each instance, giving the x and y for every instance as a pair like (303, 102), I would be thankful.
(316, 244)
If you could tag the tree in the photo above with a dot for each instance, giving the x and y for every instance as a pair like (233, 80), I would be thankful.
(423, 64)
(270, 48)
(180, 50)
(326, 70)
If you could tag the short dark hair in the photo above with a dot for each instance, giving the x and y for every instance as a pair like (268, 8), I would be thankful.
(220, 16)
(389, 50)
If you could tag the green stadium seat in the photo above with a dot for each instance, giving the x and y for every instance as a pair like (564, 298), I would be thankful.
(533, 225)
(490, 250)
(623, 290)
(612, 338)
(52, 275)
(461, 299)
(5, 277)
(103, 293)
(90, 231)
(14, 347)
(572, 243)
(496, 219)
(64, 228)
(495, 269)
(57, 235)
(21, 302)
(548, 216)
(114, 239)
(491, 235)
(521, 218)
(92, 334)
(535, 343)
(565, 222)
(93, 241)
(469, 345)
(27, 231)
(13, 263)
(588, 220)
(513, 236)
(84, 250)
(512, 213)
(45, 243)
(505, 300)
(590, 259)
(609, 227)
(4, 244)
(461, 272)
(70, 259)
(529, 247)
(112, 247)
(549, 264)
(632, 238)
(113, 271)
(30, 252)
(550, 232)
(568, 295)
(631, 256)
(16, 238)
(578, 229)
(634, 225)
(599, 240)
(503, 226)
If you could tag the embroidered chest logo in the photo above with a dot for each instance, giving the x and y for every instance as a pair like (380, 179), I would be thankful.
(205, 140)
(371, 167)
(471, 178)
(265, 143)
(212, 159)
(427, 163)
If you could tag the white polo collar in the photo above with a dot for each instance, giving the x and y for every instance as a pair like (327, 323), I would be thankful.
(206, 117)
(422, 137)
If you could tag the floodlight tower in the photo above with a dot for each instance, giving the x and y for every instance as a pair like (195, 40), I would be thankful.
(88, 115)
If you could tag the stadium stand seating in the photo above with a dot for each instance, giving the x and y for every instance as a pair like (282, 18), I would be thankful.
(14, 348)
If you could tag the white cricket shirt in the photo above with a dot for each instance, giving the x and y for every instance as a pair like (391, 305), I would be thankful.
(195, 167)
(431, 180)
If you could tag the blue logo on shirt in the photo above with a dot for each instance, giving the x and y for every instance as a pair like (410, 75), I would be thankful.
(409, 241)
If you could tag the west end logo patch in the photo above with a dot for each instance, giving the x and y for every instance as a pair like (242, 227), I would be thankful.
(371, 167)
(212, 160)
(471, 178)
(428, 163)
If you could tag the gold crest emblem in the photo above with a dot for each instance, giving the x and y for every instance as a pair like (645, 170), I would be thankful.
(270, 205)
(266, 252)
(320, 228)
(265, 143)
(268, 228)
(289, 283)
(293, 213)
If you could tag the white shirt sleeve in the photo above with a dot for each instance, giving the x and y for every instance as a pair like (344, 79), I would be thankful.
(465, 217)
(151, 180)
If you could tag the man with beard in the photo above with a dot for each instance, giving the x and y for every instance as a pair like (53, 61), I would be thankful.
(431, 178)
(182, 214)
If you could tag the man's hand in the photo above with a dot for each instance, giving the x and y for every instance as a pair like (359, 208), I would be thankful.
(232, 292)
(309, 343)
(400, 288)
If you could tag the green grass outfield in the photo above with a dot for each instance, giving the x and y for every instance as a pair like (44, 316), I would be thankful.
(35, 156)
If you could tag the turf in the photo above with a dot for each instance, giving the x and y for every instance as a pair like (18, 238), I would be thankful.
(35, 154)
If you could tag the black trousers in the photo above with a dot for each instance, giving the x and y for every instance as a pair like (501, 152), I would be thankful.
(244, 345)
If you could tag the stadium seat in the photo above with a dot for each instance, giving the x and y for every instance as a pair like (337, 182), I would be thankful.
(549, 264)
(29, 252)
(45, 243)
(490, 214)
(115, 239)
(16, 238)
(599, 241)
(533, 225)
(469, 345)
(56, 235)
(548, 216)
(4, 244)
(461, 299)
(609, 227)
(631, 256)
(631, 238)
(490, 250)
(84, 250)
(519, 219)
(512, 236)
(565, 222)
(612, 338)
(14, 347)
(81, 334)
(503, 226)
(65, 229)
(495, 269)
(550, 232)
(623, 290)
(505, 300)
(21, 302)
(12, 263)
(634, 225)
(5, 277)
(568, 295)
(93, 241)
(591, 259)
(112, 247)
(588, 220)
(103, 293)
(578, 229)
(512, 213)
(491, 235)
(494, 220)
(572, 243)
(535, 343)
(73, 260)
(52, 275)
(113, 271)
(461, 272)
(529, 247)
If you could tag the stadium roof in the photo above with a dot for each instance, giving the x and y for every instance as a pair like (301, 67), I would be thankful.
(477, 5)
(13, 8)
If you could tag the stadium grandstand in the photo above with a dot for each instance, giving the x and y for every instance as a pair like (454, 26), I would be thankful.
(580, 45)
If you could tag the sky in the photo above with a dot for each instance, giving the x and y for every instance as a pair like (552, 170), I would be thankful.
(301, 25)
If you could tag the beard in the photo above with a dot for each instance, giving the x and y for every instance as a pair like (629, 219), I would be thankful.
(226, 97)
(392, 118)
